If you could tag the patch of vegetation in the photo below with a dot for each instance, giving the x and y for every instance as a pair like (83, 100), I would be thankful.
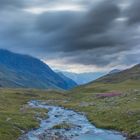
(112, 112)
(16, 117)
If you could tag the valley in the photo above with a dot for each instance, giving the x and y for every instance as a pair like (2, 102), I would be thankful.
(107, 104)
(119, 111)
(37, 104)
(69, 70)
(66, 124)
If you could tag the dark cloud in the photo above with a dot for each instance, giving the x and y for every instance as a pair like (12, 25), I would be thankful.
(76, 31)
(97, 35)
(54, 21)
(11, 4)
(133, 12)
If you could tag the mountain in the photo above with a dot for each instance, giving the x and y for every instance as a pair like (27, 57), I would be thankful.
(124, 80)
(69, 81)
(24, 71)
(125, 75)
(114, 71)
(82, 78)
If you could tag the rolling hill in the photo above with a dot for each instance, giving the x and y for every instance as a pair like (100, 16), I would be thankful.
(120, 81)
(112, 101)
(128, 74)
(24, 71)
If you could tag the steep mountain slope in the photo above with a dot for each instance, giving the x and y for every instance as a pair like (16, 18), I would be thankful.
(18, 70)
(69, 81)
(114, 71)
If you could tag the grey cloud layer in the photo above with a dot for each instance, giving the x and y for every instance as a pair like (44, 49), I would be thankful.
(101, 34)
(133, 12)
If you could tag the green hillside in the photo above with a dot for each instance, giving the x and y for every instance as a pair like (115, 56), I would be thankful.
(109, 105)
(112, 101)
(16, 117)
(128, 74)
(121, 81)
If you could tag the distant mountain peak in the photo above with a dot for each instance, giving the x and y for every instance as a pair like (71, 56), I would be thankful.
(114, 71)
(82, 78)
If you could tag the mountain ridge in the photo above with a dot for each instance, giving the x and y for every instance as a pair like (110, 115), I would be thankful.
(28, 72)
(132, 73)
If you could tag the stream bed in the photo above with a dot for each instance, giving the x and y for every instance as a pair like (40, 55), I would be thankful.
(78, 127)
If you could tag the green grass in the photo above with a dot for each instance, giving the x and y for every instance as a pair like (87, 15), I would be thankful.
(15, 116)
(120, 113)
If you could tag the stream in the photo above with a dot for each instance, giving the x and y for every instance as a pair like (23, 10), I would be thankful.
(79, 127)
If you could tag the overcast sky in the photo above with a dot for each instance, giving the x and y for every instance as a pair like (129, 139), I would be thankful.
(73, 35)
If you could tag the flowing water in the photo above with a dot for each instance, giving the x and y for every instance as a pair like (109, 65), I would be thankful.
(81, 128)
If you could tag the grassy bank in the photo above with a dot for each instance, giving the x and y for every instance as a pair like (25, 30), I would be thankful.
(106, 105)
(15, 115)
(112, 106)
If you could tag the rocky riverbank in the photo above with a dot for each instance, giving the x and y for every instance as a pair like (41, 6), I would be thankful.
(63, 124)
